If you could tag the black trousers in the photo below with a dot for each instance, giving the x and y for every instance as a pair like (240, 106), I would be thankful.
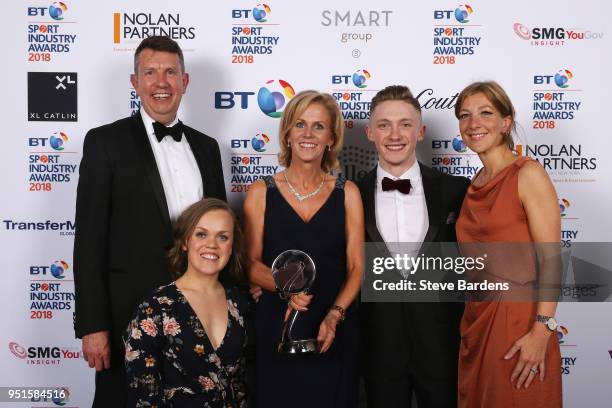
(111, 386)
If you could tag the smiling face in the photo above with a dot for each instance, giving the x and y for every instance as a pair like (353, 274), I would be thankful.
(160, 83)
(395, 128)
(311, 134)
(481, 125)
(209, 246)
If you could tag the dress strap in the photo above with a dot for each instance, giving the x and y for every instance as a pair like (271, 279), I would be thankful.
(270, 183)
(340, 182)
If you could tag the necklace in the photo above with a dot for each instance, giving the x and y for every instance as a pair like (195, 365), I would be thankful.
(302, 197)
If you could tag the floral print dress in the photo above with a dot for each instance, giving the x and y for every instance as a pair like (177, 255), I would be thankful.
(170, 361)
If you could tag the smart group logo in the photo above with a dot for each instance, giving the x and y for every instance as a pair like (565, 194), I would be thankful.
(48, 169)
(553, 36)
(53, 295)
(564, 204)
(52, 96)
(44, 355)
(356, 26)
(354, 103)
(131, 27)
(451, 156)
(273, 96)
(565, 163)
(463, 12)
(253, 34)
(453, 38)
(554, 99)
(51, 36)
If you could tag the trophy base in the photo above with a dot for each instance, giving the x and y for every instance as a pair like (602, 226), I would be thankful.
(299, 347)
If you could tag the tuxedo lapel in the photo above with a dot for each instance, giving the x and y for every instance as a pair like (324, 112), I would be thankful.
(369, 206)
(143, 147)
(433, 197)
(204, 158)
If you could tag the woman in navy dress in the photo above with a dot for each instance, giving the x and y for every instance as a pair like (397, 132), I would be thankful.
(186, 345)
(306, 208)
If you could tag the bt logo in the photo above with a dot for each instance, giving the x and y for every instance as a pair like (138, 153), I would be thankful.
(57, 269)
(259, 13)
(456, 143)
(258, 142)
(561, 78)
(461, 13)
(56, 141)
(359, 78)
(271, 98)
(56, 10)
(564, 204)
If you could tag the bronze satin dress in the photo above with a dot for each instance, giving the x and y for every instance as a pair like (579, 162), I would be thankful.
(494, 213)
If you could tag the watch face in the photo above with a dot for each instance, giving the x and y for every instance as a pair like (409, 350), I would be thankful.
(552, 324)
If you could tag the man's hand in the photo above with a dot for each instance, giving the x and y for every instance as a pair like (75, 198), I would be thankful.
(96, 350)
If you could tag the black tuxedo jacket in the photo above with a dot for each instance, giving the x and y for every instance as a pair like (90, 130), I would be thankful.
(421, 337)
(123, 227)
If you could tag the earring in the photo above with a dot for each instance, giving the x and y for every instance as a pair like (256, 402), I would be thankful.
(329, 148)
(289, 144)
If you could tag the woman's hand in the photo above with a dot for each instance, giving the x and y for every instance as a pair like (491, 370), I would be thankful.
(256, 292)
(532, 347)
(327, 330)
(298, 302)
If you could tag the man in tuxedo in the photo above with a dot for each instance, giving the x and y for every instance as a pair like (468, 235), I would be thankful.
(408, 348)
(136, 176)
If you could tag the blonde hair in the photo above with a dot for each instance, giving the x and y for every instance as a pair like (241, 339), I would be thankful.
(500, 100)
(294, 109)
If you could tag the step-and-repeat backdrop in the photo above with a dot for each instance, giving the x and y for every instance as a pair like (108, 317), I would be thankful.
(67, 70)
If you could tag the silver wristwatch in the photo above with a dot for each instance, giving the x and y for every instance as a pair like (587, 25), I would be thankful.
(548, 321)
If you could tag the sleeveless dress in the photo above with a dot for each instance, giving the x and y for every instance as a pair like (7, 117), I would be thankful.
(322, 380)
(493, 213)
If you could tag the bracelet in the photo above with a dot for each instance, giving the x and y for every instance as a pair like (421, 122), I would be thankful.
(339, 309)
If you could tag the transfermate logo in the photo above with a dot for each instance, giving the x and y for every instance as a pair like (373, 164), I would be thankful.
(273, 96)
(52, 96)
(462, 13)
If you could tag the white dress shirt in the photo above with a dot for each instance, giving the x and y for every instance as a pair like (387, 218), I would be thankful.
(402, 218)
(178, 169)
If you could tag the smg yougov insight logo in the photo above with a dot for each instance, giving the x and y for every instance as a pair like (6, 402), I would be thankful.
(273, 97)
(553, 36)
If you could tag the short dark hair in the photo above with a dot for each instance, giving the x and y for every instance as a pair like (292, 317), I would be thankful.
(184, 227)
(394, 93)
(159, 43)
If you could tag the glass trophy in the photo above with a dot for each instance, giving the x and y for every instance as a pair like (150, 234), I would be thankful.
(293, 272)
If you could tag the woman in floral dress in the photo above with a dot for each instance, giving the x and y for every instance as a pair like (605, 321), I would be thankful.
(186, 345)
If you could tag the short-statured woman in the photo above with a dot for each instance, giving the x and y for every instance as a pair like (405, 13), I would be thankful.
(306, 208)
(509, 355)
(186, 345)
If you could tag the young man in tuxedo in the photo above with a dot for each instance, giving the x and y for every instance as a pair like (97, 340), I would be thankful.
(408, 348)
(136, 176)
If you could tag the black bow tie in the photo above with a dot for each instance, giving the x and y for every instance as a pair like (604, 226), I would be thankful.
(162, 131)
(401, 185)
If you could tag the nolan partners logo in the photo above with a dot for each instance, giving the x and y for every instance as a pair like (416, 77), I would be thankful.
(553, 36)
(563, 162)
(131, 27)
(273, 97)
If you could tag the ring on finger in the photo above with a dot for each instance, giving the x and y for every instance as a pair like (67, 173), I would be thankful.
(533, 370)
